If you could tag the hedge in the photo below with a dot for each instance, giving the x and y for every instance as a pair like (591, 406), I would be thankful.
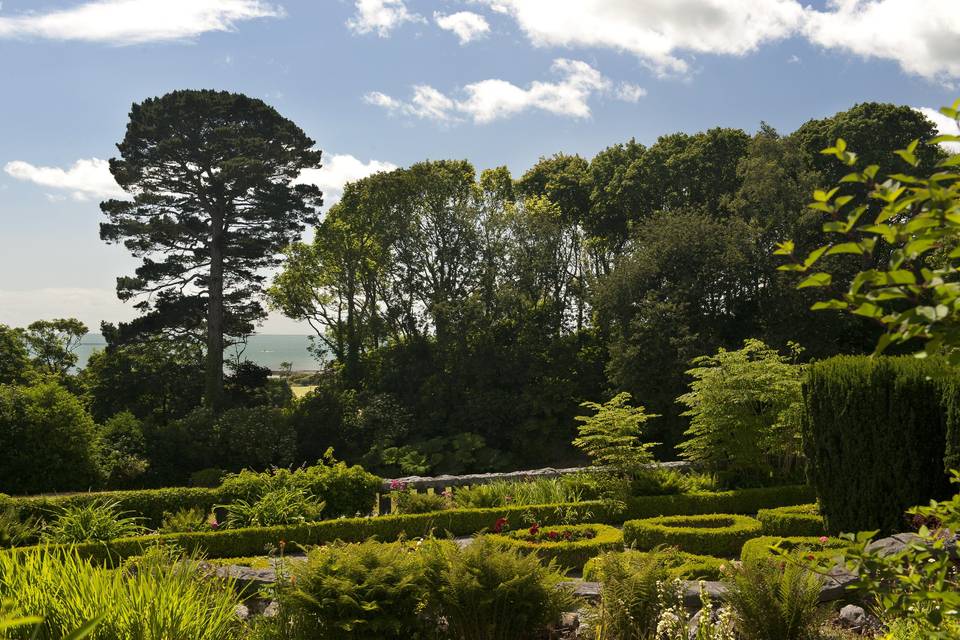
(737, 501)
(346, 491)
(875, 435)
(801, 520)
(760, 548)
(571, 555)
(682, 565)
(712, 535)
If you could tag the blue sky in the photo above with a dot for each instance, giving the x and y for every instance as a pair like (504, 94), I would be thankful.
(382, 83)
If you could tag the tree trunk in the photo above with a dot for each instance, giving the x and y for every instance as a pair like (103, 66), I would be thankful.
(213, 388)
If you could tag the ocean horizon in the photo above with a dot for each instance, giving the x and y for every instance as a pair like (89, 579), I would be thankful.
(267, 350)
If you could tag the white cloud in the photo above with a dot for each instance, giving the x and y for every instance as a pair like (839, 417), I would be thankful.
(922, 37)
(382, 16)
(629, 92)
(20, 307)
(794, 59)
(467, 25)
(945, 126)
(337, 171)
(656, 31)
(136, 21)
(85, 179)
(493, 99)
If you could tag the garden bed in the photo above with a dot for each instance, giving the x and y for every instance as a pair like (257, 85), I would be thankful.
(570, 545)
(712, 535)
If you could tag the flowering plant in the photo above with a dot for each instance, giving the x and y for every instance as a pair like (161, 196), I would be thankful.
(537, 534)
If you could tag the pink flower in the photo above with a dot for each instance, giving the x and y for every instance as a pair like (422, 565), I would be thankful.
(823, 539)
(397, 485)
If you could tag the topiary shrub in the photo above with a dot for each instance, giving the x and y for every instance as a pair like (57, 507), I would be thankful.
(570, 545)
(680, 564)
(712, 535)
(820, 547)
(874, 435)
(800, 520)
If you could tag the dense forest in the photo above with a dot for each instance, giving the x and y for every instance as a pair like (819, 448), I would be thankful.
(461, 317)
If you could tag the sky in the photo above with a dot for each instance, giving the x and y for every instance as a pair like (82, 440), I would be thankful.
(386, 83)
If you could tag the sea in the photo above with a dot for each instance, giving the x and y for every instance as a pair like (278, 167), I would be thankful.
(264, 349)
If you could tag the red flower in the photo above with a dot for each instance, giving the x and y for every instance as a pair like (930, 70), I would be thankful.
(499, 525)
(534, 529)
(567, 535)
(552, 535)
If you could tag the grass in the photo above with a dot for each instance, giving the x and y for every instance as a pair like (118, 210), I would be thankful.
(301, 390)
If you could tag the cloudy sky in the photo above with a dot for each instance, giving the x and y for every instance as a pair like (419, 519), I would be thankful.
(384, 83)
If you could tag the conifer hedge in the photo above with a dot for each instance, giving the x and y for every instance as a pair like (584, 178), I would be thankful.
(875, 436)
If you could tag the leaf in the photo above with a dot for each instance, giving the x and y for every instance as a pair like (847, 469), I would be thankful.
(814, 256)
(829, 304)
(85, 629)
(816, 280)
(846, 247)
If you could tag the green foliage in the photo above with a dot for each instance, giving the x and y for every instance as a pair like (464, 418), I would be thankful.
(122, 450)
(680, 564)
(875, 438)
(280, 506)
(210, 478)
(745, 408)
(629, 606)
(162, 599)
(15, 365)
(712, 535)
(51, 424)
(611, 437)
(346, 490)
(52, 344)
(185, 520)
(565, 489)
(359, 591)
(815, 547)
(99, 521)
(673, 622)
(15, 532)
(410, 502)
(254, 437)
(589, 541)
(800, 520)
(486, 592)
(772, 599)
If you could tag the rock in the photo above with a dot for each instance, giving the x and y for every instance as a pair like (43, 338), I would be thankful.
(835, 584)
(271, 609)
(853, 617)
(894, 544)
(242, 611)
(691, 593)
(248, 581)
(589, 591)
(570, 620)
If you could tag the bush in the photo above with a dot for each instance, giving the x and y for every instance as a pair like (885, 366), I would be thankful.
(160, 600)
(347, 491)
(629, 601)
(745, 409)
(540, 491)
(486, 592)
(13, 531)
(280, 506)
(45, 427)
(819, 547)
(186, 521)
(254, 437)
(875, 438)
(210, 478)
(680, 564)
(122, 450)
(550, 543)
(775, 600)
(712, 535)
(410, 502)
(93, 522)
(799, 520)
(740, 501)
(360, 591)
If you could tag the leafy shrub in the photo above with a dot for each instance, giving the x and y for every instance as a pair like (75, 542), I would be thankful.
(254, 437)
(629, 601)
(45, 427)
(160, 600)
(680, 564)
(360, 591)
(347, 491)
(122, 450)
(773, 599)
(409, 502)
(211, 477)
(96, 521)
(817, 547)
(571, 546)
(280, 506)
(661, 482)
(565, 489)
(713, 535)
(15, 532)
(486, 592)
(745, 408)
(186, 521)
(799, 520)
(875, 438)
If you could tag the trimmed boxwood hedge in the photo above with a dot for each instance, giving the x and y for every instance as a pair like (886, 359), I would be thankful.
(572, 555)
(800, 520)
(682, 565)
(720, 534)
(759, 548)
(738, 501)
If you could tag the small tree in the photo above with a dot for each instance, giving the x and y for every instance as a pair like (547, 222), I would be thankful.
(612, 438)
(744, 409)
(53, 343)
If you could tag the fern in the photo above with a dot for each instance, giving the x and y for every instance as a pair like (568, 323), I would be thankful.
(776, 599)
